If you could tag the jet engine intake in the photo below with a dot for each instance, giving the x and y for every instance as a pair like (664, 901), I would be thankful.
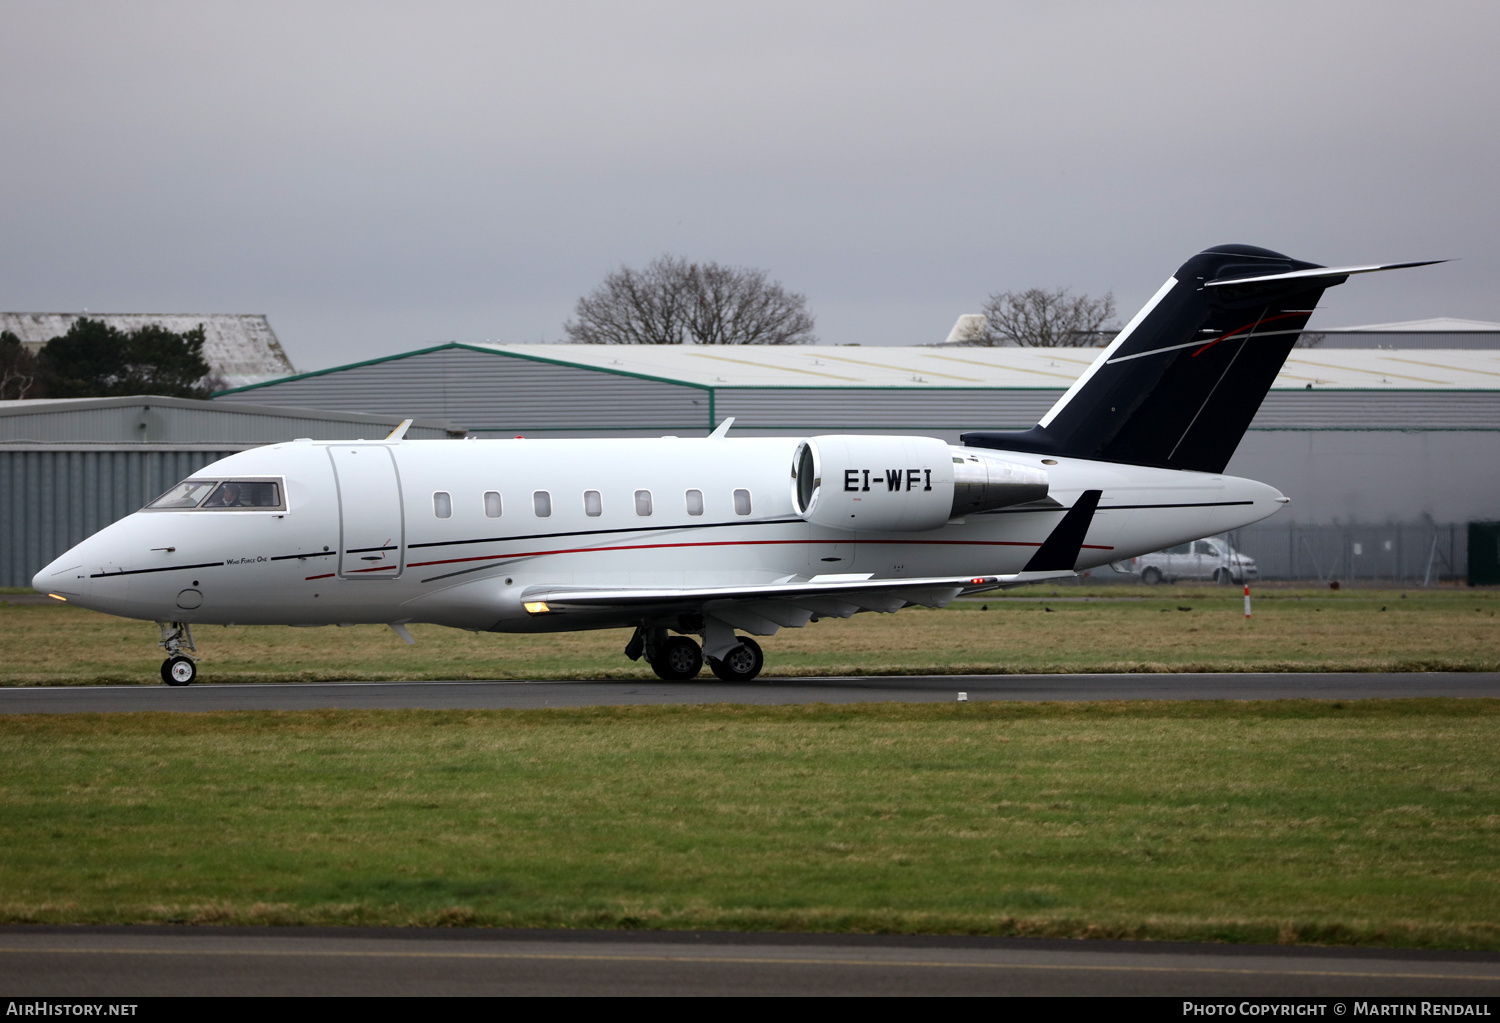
(902, 484)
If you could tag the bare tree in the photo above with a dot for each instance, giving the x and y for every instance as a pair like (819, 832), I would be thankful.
(1310, 340)
(674, 302)
(1038, 318)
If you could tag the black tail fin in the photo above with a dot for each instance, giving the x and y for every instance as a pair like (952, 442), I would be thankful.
(1180, 384)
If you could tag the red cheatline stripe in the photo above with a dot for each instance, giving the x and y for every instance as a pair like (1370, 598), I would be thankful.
(325, 575)
(1248, 326)
(736, 543)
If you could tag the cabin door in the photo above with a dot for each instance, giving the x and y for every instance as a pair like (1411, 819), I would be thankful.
(370, 520)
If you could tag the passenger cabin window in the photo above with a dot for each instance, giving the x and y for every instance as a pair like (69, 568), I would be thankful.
(643, 502)
(695, 502)
(593, 505)
(492, 504)
(253, 495)
(742, 502)
(541, 501)
(442, 505)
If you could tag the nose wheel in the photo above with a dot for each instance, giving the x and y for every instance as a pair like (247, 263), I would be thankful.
(178, 671)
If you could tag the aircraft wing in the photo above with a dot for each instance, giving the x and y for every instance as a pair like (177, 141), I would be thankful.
(783, 603)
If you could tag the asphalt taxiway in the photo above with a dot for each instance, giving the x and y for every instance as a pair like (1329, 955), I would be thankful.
(856, 689)
(154, 961)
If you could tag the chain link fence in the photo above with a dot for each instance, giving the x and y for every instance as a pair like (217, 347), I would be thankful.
(1415, 553)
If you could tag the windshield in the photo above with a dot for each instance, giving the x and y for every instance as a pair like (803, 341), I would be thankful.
(211, 495)
(186, 494)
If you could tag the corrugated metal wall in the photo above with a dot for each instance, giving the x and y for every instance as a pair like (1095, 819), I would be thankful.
(489, 392)
(1379, 410)
(51, 500)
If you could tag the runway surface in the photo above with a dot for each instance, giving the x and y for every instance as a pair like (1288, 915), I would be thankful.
(864, 689)
(145, 961)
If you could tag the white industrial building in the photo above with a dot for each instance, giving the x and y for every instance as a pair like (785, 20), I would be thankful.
(240, 348)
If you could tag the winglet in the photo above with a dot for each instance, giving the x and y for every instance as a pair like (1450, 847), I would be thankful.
(722, 430)
(399, 433)
(1059, 552)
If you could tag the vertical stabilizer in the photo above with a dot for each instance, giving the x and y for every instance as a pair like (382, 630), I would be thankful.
(1180, 384)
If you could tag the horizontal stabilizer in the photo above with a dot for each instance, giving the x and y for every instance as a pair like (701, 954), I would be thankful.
(1318, 272)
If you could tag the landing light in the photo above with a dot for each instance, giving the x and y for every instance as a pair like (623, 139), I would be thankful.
(536, 607)
(58, 596)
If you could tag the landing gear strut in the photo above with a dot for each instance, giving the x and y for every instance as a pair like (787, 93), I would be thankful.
(179, 669)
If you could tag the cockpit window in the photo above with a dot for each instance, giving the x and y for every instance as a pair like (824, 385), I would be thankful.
(186, 494)
(244, 494)
(211, 495)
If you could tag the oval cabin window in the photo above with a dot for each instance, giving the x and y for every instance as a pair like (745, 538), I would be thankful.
(442, 505)
(643, 502)
(742, 502)
(695, 502)
(492, 504)
(593, 505)
(541, 501)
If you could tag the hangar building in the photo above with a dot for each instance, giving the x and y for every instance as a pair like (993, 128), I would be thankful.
(1370, 435)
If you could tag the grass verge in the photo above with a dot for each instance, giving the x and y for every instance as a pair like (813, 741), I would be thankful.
(1152, 629)
(1293, 821)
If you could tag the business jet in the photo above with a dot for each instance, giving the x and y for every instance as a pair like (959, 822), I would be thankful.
(723, 538)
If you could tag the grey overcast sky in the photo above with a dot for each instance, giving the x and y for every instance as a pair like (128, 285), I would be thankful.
(379, 177)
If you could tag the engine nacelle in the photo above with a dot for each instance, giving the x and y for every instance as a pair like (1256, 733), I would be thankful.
(902, 484)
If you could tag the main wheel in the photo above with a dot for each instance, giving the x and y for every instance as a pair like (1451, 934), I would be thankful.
(1151, 576)
(678, 659)
(741, 664)
(178, 671)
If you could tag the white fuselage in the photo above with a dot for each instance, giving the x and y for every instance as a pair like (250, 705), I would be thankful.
(361, 538)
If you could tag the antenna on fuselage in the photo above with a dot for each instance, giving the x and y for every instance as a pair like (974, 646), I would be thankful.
(722, 430)
(399, 433)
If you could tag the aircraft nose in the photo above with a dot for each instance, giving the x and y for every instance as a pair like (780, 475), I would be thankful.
(66, 576)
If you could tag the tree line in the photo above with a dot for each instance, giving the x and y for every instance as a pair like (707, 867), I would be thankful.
(673, 301)
(96, 360)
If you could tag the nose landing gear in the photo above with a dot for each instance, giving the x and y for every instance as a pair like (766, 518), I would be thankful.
(179, 669)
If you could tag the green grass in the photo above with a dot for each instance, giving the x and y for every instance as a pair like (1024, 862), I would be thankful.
(1375, 822)
(1200, 628)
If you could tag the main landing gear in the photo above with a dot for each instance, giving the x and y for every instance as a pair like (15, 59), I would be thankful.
(679, 658)
(179, 669)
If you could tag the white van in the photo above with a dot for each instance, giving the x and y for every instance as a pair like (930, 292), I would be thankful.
(1210, 558)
